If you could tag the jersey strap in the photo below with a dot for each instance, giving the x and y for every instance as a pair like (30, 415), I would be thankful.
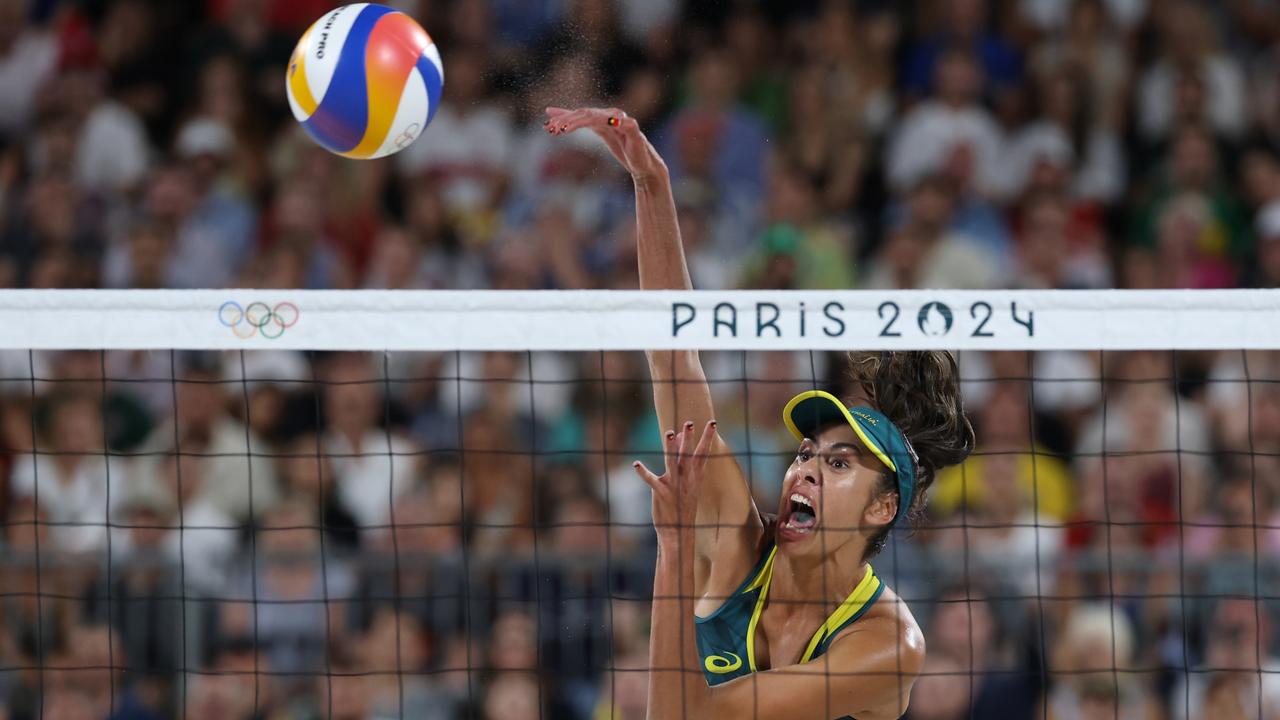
(863, 596)
(853, 607)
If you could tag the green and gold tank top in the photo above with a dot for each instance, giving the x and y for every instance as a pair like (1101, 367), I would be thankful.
(726, 637)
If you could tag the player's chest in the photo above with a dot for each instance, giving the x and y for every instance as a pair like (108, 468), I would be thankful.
(782, 640)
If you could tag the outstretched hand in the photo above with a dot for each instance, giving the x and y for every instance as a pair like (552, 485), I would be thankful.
(620, 132)
(675, 492)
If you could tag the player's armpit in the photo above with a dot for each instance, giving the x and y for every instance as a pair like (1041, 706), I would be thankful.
(867, 673)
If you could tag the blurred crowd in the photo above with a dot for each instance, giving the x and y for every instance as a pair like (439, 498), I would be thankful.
(282, 535)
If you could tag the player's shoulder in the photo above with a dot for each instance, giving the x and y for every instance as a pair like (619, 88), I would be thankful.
(889, 631)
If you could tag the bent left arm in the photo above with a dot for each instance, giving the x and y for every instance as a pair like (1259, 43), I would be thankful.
(869, 669)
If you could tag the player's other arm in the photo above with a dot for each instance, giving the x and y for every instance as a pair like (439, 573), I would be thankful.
(680, 390)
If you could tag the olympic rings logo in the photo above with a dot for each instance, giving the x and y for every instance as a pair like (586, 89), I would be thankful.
(258, 318)
(407, 136)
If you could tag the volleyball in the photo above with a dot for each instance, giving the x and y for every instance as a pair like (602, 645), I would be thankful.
(365, 80)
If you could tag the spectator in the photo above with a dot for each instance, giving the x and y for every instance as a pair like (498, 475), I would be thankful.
(962, 25)
(1057, 251)
(374, 465)
(1163, 438)
(714, 141)
(1092, 44)
(580, 526)
(221, 230)
(853, 68)
(308, 475)
(238, 479)
(466, 150)
(925, 251)
(1008, 441)
(624, 689)
(111, 152)
(1068, 136)
(1266, 269)
(1093, 669)
(417, 561)
(300, 596)
(951, 130)
(73, 480)
(512, 696)
(93, 682)
(28, 58)
(1189, 54)
(799, 248)
(974, 674)
(394, 651)
(233, 688)
(196, 534)
(1193, 216)
(1239, 668)
(54, 222)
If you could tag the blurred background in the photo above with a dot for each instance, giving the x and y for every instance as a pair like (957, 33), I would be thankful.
(280, 535)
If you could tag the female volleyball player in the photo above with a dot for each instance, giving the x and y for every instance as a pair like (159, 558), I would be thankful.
(760, 618)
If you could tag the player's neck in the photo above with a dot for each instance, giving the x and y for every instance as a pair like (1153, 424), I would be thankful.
(831, 576)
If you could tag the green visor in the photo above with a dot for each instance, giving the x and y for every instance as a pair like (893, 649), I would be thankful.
(810, 411)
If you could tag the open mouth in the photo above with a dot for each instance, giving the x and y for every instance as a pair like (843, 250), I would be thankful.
(801, 515)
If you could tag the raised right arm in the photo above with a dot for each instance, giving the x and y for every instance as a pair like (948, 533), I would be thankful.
(680, 389)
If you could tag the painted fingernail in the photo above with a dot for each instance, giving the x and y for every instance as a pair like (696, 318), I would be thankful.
(671, 434)
(563, 128)
(635, 464)
(714, 423)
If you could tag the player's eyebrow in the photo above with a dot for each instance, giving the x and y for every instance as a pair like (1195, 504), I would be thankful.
(843, 446)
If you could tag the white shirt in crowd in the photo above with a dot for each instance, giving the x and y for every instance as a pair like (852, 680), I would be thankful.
(235, 462)
(112, 153)
(1099, 175)
(79, 505)
(932, 131)
(954, 261)
(469, 149)
(29, 63)
(1051, 15)
(365, 477)
(204, 546)
(1224, 103)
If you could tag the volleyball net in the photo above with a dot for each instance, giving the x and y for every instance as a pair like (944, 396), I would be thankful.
(233, 504)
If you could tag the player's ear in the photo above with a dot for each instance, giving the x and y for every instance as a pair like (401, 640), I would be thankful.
(881, 510)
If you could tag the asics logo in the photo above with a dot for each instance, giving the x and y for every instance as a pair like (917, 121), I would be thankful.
(719, 664)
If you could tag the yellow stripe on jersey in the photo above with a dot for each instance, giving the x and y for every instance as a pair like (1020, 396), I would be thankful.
(850, 607)
(865, 591)
(762, 581)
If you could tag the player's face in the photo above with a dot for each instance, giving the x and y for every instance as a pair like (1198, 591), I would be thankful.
(829, 493)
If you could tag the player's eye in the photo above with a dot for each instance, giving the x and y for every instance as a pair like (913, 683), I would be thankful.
(839, 463)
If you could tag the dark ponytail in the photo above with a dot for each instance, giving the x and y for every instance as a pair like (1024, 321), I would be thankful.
(920, 392)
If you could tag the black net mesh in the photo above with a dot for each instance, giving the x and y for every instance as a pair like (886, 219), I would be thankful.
(349, 535)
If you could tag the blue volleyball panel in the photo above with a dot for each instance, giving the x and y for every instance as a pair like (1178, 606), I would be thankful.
(435, 84)
(339, 121)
